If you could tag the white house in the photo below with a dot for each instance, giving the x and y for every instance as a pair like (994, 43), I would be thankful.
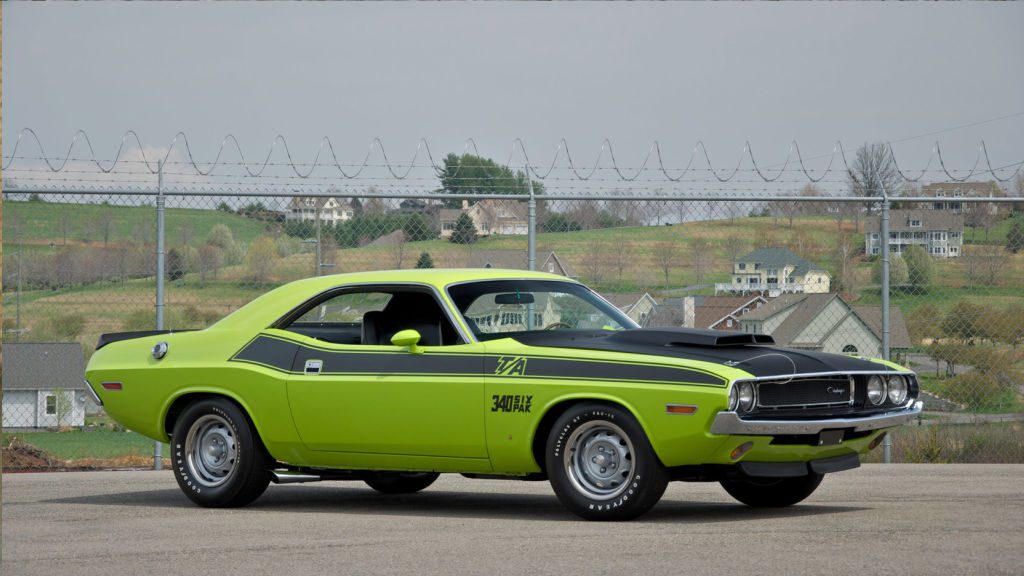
(328, 210)
(42, 384)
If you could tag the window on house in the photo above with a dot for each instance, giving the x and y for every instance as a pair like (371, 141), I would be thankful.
(849, 349)
(51, 404)
(954, 234)
(954, 250)
(874, 235)
(742, 266)
(728, 323)
(874, 250)
(757, 266)
(915, 223)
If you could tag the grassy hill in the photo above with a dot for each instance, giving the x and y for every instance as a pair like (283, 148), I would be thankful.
(41, 223)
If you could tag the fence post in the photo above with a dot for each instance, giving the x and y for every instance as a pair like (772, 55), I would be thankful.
(158, 459)
(886, 328)
(531, 226)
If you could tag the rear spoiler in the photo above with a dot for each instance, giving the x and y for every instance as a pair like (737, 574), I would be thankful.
(118, 336)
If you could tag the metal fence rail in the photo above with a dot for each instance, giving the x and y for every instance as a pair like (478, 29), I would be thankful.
(944, 294)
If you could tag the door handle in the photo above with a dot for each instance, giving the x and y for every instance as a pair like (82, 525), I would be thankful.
(313, 367)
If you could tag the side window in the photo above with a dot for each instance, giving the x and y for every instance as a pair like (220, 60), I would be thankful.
(372, 317)
(346, 308)
(339, 319)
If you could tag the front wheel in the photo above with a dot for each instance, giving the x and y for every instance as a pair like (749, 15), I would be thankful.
(401, 482)
(772, 492)
(601, 465)
(219, 461)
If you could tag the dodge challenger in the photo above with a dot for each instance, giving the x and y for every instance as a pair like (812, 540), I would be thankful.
(394, 377)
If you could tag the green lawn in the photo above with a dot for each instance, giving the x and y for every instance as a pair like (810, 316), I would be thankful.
(78, 445)
(41, 223)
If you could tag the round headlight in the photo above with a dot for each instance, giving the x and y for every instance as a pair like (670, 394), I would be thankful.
(745, 395)
(897, 389)
(733, 397)
(876, 390)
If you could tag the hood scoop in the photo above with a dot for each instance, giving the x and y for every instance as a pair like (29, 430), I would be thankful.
(689, 337)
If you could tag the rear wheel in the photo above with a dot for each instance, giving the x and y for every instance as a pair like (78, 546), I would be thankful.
(219, 461)
(401, 482)
(772, 492)
(601, 465)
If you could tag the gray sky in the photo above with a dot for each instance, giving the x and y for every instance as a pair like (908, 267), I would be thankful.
(676, 73)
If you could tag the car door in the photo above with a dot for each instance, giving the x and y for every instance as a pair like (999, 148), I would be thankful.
(373, 398)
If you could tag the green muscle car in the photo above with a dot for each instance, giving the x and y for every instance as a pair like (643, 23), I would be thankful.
(394, 377)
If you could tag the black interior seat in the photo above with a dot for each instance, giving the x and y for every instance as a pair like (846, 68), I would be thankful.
(407, 311)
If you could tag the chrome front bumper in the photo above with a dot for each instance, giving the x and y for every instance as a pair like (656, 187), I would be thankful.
(729, 423)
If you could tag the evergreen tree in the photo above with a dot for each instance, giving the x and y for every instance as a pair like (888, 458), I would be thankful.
(465, 230)
(425, 261)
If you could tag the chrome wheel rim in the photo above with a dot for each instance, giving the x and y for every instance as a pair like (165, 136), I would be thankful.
(599, 460)
(211, 450)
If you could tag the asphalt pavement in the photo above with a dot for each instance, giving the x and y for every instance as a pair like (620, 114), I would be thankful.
(879, 519)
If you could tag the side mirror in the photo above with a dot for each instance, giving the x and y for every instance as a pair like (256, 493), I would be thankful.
(408, 339)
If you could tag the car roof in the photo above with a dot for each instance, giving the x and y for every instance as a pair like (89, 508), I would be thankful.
(267, 308)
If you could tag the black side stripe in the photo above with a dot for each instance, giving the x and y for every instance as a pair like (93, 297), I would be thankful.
(290, 357)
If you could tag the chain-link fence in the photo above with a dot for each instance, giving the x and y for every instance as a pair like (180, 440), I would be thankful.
(805, 268)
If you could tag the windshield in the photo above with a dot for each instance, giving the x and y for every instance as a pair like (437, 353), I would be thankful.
(500, 308)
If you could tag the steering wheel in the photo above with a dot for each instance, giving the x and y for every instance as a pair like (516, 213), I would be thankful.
(554, 325)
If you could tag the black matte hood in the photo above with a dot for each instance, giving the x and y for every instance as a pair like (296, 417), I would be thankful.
(745, 352)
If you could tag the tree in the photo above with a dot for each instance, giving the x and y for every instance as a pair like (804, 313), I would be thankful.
(897, 272)
(846, 247)
(700, 258)
(920, 267)
(665, 255)
(418, 227)
(211, 258)
(963, 321)
(465, 230)
(873, 172)
(733, 245)
(425, 261)
(175, 264)
(221, 237)
(1015, 236)
(470, 174)
(925, 323)
(104, 222)
(261, 257)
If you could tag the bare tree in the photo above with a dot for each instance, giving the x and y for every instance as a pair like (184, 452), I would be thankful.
(593, 261)
(700, 258)
(398, 249)
(621, 256)
(846, 247)
(664, 253)
(873, 172)
(105, 223)
(733, 246)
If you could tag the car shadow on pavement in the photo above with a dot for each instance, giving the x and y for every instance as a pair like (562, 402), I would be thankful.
(440, 503)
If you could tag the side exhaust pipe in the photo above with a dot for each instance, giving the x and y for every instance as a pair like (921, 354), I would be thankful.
(290, 477)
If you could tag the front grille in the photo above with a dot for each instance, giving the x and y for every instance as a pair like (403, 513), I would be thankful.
(806, 393)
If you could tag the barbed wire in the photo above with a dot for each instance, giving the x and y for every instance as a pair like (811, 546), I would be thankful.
(401, 171)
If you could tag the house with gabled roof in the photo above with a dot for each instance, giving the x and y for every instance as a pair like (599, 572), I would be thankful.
(826, 323)
(42, 385)
(939, 232)
(547, 261)
(638, 306)
(311, 208)
(775, 271)
(718, 312)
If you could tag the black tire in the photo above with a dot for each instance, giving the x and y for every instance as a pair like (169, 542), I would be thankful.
(622, 477)
(772, 492)
(401, 482)
(219, 461)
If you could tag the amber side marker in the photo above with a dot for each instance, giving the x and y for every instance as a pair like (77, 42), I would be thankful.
(878, 440)
(680, 409)
(112, 385)
(740, 450)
